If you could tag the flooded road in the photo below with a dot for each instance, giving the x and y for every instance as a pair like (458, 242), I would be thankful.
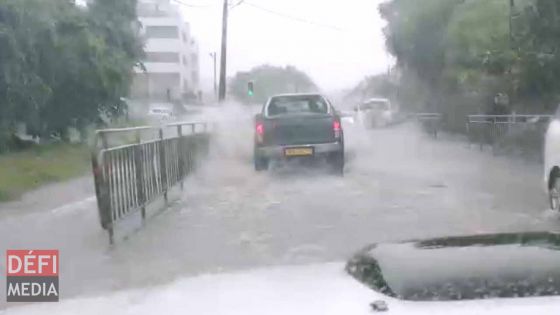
(399, 184)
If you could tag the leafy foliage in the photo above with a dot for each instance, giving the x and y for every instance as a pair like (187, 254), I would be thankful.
(416, 34)
(270, 80)
(379, 85)
(463, 52)
(64, 66)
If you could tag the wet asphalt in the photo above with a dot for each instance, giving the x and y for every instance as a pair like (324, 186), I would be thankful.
(399, 184)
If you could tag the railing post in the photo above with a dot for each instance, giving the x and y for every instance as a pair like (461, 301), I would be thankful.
(139, 170)
(205, 140)
(494, 134)
(181, 152)
(107, 211)
(125, 176)
(435, 125)
(512, 122)
(194, 147)
(467, 129)
(163, 166)
(481, 136)
(99, 181)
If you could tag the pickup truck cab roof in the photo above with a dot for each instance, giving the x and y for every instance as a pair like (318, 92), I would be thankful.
(326, 106)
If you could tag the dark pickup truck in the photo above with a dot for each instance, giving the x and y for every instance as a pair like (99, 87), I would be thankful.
(299, 126)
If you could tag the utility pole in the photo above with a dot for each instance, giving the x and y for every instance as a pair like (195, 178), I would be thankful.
(511, 91)
(511, 6)
(213, 55)
(222, 92)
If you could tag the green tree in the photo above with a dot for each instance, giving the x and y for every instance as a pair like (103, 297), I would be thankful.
(460, 53)
(536, 42)
(477, 42)
(64, 66)
(379, 85)
(26, 30)
(415, 34)
(447, 50)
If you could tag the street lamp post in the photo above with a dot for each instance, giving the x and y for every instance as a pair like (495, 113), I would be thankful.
(213, 56)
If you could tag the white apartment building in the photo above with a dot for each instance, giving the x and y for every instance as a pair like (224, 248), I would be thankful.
(172, 62)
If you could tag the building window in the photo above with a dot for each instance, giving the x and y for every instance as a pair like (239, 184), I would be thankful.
(162, 32)
(185, 61)
(165, 86)
(194, 59)
(167, 57)
(194, 77)
(185, 40)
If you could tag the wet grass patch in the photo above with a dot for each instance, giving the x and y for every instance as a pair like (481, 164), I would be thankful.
(39, 165)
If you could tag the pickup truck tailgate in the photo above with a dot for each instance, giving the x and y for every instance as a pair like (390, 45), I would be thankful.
(299, 129)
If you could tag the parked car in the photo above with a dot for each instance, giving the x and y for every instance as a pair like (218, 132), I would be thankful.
(298, 126)
(160, 112)
(375, 112)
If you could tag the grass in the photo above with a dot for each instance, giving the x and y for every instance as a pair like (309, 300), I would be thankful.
(27, 170)
(32, 168)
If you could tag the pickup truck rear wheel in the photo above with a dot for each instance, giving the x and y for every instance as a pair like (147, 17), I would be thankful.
(261, 163)
(336, 162)
(554, 194)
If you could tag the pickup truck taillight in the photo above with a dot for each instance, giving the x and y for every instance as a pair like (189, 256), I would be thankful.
(336, 128)
(259, 132)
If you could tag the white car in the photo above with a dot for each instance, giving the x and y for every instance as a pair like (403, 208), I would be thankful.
(375, 112)
(160, 113)
(552, 162)
(513, 274)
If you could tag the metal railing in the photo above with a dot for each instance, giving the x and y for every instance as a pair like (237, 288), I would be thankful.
(430, 121)
(493, 129)
(132, 172)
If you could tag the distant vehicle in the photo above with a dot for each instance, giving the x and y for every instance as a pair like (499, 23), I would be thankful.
(552, 161)
(298, 126)
(375, 112)
(161, 112)
(347, 116)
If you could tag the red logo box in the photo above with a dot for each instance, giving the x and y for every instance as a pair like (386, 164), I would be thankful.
(34, 263)
(32, 275)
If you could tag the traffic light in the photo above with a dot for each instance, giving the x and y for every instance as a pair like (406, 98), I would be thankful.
(250, 88)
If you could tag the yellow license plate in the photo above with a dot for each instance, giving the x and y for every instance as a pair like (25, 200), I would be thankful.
(298, 152)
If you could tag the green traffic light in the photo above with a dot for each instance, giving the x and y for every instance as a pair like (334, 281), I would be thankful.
(250, 88)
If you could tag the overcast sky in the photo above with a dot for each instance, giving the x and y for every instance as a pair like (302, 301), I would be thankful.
(341, 43)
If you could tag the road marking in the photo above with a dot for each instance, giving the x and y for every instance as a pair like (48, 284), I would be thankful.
(74, 206)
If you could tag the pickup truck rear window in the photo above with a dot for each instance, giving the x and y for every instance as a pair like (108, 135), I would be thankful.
(296, 105)
(375, 105)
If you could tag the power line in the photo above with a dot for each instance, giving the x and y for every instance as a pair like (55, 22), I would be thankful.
(237, 4)
(263, 9)
(293, 18)
(190, 5)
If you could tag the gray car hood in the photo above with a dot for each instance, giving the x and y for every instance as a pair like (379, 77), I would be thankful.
(322, 289)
